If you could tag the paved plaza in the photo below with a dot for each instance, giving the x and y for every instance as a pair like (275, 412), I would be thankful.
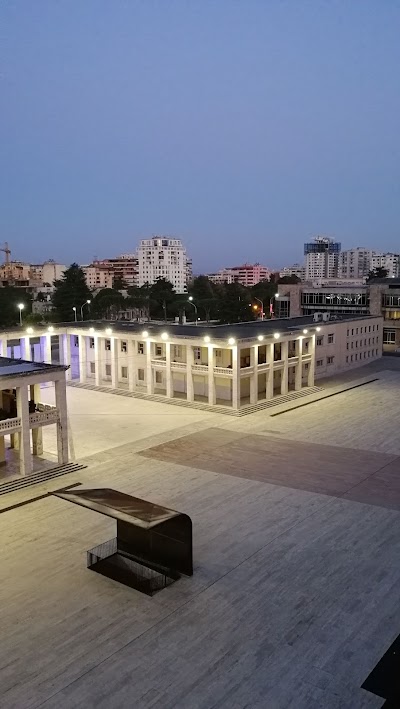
(295, 593)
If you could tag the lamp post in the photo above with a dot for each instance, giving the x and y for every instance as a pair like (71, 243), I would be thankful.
(21, 306)
(74, 309)
(190, 300)
(87, 302)
(271, 304)
(262, 306)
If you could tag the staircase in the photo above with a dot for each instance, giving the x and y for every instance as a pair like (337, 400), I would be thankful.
(40, 477)
(226, 410)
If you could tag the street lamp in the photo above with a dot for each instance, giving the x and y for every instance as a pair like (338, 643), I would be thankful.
(21, 306)
(74, 309)
(271, 304)
(87, 302)
(190, 300)
(262, 306)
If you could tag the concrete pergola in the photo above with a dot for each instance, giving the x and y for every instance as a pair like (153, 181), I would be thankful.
(22, 413)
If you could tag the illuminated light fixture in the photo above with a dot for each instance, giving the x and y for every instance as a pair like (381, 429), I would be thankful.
(231, 341)
(207, 338)
(145, 333)
(29, 330)
(108, 331)
(91, 330)
(318, 329)
(276, 335)
(164, 335)
(50, 329)
(305, 331)
(260, 337)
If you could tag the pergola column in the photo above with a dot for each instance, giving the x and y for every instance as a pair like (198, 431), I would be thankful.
(47, 348)
(149, 371)
(285, 370)
(169, 383)
(211, 379)
(235, 377)
(189, 373)
(37, 433)
(65, 353)
(82, 358)
(98, 356)
(132, 345)
(311, 368)
(62, 425)
(25, 456)
(3, 348)
(299, 366)
(254, 374)
(25, 345)
(114, 362)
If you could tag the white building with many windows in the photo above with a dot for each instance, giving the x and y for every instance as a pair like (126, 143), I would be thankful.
(163, 257)
(354, 263)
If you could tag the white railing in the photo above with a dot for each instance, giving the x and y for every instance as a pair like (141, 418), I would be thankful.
(43, 418)
(223, 370)
(200, 367)
(10, 424)
(158, 363)
(178, 365)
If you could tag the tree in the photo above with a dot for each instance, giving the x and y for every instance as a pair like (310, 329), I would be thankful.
(106, 303)
(161, 297)
(10, 297)
(289, 279)
(70, 292)
(378, 272)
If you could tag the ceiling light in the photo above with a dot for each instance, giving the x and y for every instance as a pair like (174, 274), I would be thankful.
(276, 335)
(145, 333)
(108, 331)
(260, 337)
(207, 338)
(164, 335)
(231, 341)
(305, 331)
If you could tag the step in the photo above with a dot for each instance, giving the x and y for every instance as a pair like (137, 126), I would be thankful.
(39, 477)
(226, 410)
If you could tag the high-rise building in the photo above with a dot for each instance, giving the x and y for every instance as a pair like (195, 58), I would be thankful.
(354, 263)
(162, 257)
(322, 258)
(390, 262)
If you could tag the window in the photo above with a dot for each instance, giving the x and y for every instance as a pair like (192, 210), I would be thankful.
(140, 349)
(352, 345)
(158, 377)
(389, 337)
(92, 368)
(124, 346)
(329, 360)
(108, 370)
(376, 352)
(177, 351)
(306, 366)
(124, 372)
(331, 338)
(320, 362)
(158, 350)
(369, 328)
(91, 343)
(140, 375)
(107, 345)
(76, 341)
(347, 345)
(320, 341)
(348, 332)
(352, 331)
(356, 344)
(356, 330)
(196, 353)
(351, 358)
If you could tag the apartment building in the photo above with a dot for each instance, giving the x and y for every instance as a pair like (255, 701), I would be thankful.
(123, 268)
(98, 277)
(219, 365)
(390, 262)
(247, 274)
(163, 257)
(354, 263)
(322, 258)
(295, 270)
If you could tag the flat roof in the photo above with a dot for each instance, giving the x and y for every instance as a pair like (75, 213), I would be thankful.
(20, 367)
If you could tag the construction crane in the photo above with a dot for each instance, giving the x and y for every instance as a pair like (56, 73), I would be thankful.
(7, 252)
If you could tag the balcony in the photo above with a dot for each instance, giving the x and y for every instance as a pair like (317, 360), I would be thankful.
(10, 425)
(200, 368)
(45, 415)
(223, 371)
(158, 363)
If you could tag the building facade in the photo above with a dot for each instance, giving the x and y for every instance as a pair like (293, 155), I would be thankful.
(229, 365)
(295, 270)
(322, 258)
(390, 262)
(98, 277)
(247, 274)
(162, 257)
(355, 263)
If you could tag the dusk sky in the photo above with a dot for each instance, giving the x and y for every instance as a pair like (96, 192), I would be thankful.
(244, 127)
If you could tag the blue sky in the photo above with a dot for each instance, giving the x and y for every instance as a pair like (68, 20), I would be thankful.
(245, 127)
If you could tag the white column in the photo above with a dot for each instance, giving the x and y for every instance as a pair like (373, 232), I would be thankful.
(299, 367)
(47, 348)
(62, 425)
(25, 456)
(82, 358)
(25, 345)
(311, 368)
(2, 451)
(254, 374)
(98, 359)
(149, 371)
(211, 379)
(285, 370)
(65, 352)
(235, 377)
(3, 348)
(189, 373)
(132, 345)
(168, 373)
(37, 433)
(115, 345)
